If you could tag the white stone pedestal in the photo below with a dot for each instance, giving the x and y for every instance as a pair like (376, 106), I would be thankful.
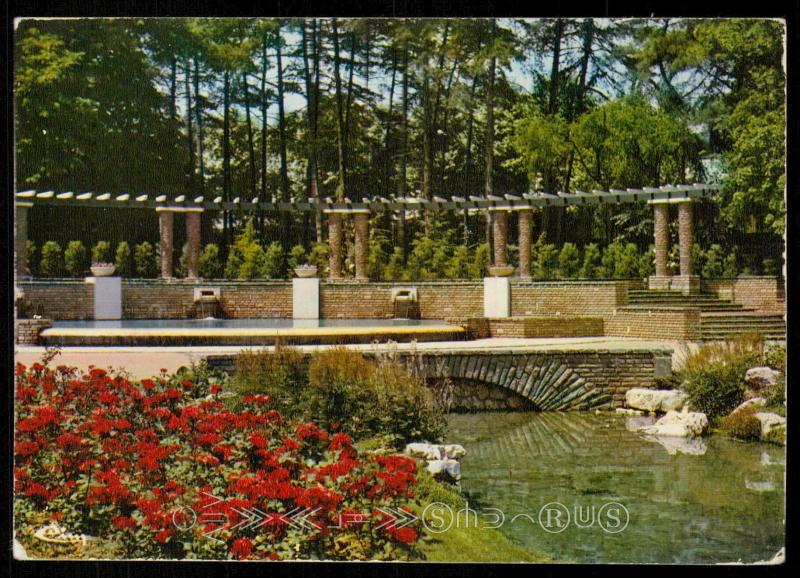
(496, 297)
(305, 298)
(107, 297)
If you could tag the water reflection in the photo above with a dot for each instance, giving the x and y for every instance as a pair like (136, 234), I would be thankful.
(690, 501)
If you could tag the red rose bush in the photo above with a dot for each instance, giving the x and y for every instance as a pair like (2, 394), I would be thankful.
(163, 468)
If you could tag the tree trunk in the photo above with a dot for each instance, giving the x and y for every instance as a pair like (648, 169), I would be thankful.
(226, 157)
(348, 104)
(189, 128)
(173, 88)
(444, 137)
(311, 121)
(340, 186)
(198, 114)
(402, 184)
(251, 148)
(264, 107)
(387, 140)
(468, 163)
(552, 105)
(282, 125)
(488, 182)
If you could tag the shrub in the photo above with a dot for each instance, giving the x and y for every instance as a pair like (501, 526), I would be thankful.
(626, 265)
(770, 266)
(297, 256)
(730, 265)
(122, 259)
(592, 268)
(209, 263)
(458, 266)
(569, 261)
(52, 263)
(319, 256)
(30, 252)
(341, 388)
(713, 376)
(612, 254)
(713, 266)
(133, 458)
(742, 425)
(245, 256)
(395, 268)
(775, 356)
(100, 252)
(274, 262)
(145, 260)
(546, 260)
(480, 263)
(647, 263)
(75, 259)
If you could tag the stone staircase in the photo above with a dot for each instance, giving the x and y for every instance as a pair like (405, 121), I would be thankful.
(719, 318)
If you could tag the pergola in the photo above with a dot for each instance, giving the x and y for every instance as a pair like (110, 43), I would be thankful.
(500, 206)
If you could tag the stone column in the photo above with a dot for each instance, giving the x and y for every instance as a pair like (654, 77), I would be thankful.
(21, 239)
(361, 225)
(525, 233)
(500, 236)
(661, 235)
(165, 224)
(193, 240)
(685, 237)
(335, 245)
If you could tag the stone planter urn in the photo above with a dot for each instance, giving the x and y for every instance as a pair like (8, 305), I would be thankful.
(305, 271)
(501, 271)
(103, 269)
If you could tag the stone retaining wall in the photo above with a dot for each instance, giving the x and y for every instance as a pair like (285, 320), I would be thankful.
(27, 331)
(544, 326)
(655, 323)
(767, 294)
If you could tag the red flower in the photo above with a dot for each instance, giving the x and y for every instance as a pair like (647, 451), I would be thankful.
(258, 440)
(148, 384)
(187, 384)
(25, 449)
(215, 389)
(242, 548)
(163, 535)
(123, 523)
(406, 535)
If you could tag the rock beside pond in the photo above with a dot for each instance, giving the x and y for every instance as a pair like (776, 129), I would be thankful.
(692, 446)
(428, 451)
(445, 468)
(661, 400)
(773, 427)
(629, 411)
(761, 376)
(755, 402)
(684, 424)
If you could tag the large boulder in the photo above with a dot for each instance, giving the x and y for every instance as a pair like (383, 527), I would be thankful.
(692, 446)
(684, 424)
(661, 400)
(758, 377)
(428, 451)
(445, 469)
(773, 427)
(754, 403)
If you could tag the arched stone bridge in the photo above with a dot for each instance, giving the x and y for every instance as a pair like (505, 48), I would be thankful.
(549, 380)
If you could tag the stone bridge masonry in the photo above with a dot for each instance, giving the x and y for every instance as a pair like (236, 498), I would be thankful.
(545, 380)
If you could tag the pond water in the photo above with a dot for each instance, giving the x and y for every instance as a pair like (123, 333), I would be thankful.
(688, 501)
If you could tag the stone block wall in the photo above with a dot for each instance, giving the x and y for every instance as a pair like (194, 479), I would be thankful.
(655, 323)
(595, 299)
(58, 298)
(767, 294)
(27, 331)
(546, 326)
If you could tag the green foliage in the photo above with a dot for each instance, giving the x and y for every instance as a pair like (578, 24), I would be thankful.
(297, 256)
(101, 252)
(145, 260)
(75, 259)
(480, 263)
(713, 265)
(592, 266)
(713, 376)
(210, 263)
(274, 262)
(569, 261)
(319, 256)
(647, 263)
(742, 425)
(730, 265)
(395, 268)
(545, 258)
(52, 263)
(341, 388)
(246, 256)
(30, 251)
(458, 267)
(122, 259)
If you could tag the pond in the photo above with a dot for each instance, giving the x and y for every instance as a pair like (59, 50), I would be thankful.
(687, 501)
